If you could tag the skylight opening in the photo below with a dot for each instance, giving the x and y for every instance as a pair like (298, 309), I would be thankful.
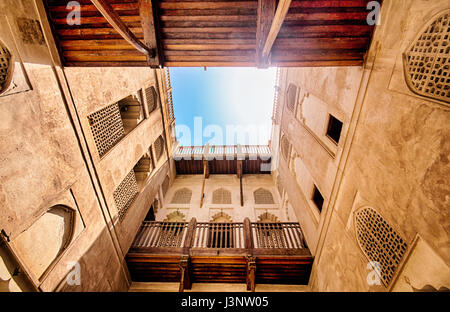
(223, 106)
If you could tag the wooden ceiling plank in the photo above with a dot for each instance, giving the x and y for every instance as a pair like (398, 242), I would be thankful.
(114, 20)
(266, 13)
(280, 14)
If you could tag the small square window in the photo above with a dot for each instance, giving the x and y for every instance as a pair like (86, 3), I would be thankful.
(334, 129)
(317, 198)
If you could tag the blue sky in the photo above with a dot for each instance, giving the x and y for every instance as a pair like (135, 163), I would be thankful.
(227, 105)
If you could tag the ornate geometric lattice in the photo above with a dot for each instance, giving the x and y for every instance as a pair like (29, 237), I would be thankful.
(379, 242)
(5, 67)
(107, 128)
(151, 96)
(221, 196)
(182, 196)
(427, 61)
(263, 197)
(285, 147)
(291, 96)
(159, 148)
(125, 193)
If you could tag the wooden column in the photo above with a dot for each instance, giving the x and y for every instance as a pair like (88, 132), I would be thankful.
(251, 262)
(189, 241)
(248, 237)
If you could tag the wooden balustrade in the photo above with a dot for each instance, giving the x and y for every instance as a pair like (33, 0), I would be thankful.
(240, 237)
(225, 151)
(207, 252)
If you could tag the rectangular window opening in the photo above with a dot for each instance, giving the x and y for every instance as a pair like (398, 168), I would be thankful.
(317, 198)
(334, 129)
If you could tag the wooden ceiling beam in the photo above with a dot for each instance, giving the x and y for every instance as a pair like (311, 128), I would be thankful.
(266, 13)
(278, 19)
(114, 20)
(150, 28)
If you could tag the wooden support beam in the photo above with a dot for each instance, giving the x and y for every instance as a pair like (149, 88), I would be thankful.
(251, 273)
(150, 29)
(242, 192)
(114, 20)
(185, 280)
(206, 168)
(205, 176)
(280, 14)
(266, 13)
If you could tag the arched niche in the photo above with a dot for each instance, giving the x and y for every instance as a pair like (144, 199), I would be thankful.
(263, 196)
(46, 239)
(6, 67)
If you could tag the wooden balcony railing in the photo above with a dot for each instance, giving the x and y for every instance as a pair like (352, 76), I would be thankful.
(226, 238)
(208, 252)
(224, 151)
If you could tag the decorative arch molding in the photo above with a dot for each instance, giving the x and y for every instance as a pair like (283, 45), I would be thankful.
(165, 186)
(267, 217)
(6, 67)
(291, 97)
(426, 61)
(263, 196)
(159, 147)
(175, 216)
(221, 196)
(221, 217)
(43, 243)
(152, 99)
(182, 196)
(379, 242)
(285, 147)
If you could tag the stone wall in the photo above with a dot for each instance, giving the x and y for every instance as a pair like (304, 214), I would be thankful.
(394, 159)
(48, 158)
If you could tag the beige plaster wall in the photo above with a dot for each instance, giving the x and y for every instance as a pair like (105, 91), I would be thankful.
(229, 182)
(397, 164)
(43, 161)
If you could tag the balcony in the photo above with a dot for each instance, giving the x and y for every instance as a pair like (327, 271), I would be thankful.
(199, 252)
(223, 159)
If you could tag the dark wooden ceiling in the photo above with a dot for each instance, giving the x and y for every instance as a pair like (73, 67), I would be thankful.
(224, 166)
(216, 33)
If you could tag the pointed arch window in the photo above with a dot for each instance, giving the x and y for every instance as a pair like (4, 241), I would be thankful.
(221, 196)
(379, 242)
(427, 60)
(263, 197)
(182, 196)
